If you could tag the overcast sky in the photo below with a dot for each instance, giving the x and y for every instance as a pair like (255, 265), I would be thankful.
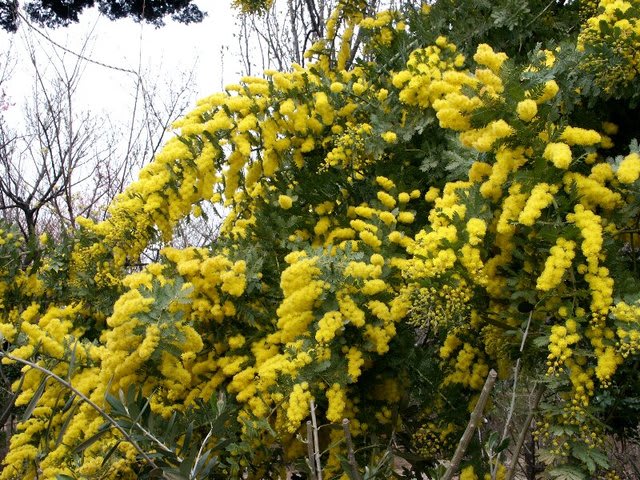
(165, 56)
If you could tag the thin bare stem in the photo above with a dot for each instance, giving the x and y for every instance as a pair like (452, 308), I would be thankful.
(539, 390)
(197, 459)
(474, 420)
(515, 379)
(316, 443)
(355, 470)
(310, 451)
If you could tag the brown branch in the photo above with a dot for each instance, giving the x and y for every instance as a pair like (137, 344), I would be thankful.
(355, 470)
(310, 451)
(316, 443)
(539, 390)
(474, 420)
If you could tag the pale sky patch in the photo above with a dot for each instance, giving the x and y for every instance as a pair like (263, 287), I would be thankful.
(205, 55)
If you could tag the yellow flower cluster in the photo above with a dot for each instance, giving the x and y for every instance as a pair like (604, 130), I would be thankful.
(298, 408)
(469, 368)
(559, 154)
(629, 169)
(468, 473)
(336, 396)
(560, 258)
(541, 197)
(527, 109)
(421, 84)
(436, 308)
(628, 331)
(611, 36)
(561, 339)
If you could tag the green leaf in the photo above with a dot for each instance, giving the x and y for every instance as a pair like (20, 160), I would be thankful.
(568, 472)
(109, 453)
(35, 399)
(72, 361)
(581, 452)
(65, 424)
(90, 441)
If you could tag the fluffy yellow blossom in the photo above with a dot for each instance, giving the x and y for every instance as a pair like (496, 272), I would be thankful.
(385, 183)
(527, 109)
(608, 362)
(486, 56)
(298, 408)
(336, 87)
(580, 136)
(540, 198)
(328, 325)
(559, 154)
(150, 342)
(559, 260)
(404, 197)
(285, 202)
(373, 287)
(237, 341)
(406, 217)
(476, 228)
(355, 361)
(549, 91)
(609, 128)
(337, 399)
(401, 78)
(390, 137)
(468, 473)
(590, 226)
(432, 194)
(370, 239)
(629, 169)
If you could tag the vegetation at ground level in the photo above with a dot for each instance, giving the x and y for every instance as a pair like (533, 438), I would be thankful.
(441, 191)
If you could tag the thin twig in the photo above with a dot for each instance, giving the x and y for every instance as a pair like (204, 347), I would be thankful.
(310, 451)
(197, 459)
(78, 55)
(355, 470)
(316, 443)
(539, 390)
(474, 420)
(515, 379)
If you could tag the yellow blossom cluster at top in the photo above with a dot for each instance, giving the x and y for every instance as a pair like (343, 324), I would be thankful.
(610, 38)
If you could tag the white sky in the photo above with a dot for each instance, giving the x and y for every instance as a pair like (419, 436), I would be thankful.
(164, 56)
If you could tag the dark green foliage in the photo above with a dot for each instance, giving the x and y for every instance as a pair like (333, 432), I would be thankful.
(56, 13)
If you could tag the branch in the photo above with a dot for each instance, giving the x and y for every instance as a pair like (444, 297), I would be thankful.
(315, 439)
(310, 451)
(539, 390)
(80, 56)
(471, 427)
(355, 470)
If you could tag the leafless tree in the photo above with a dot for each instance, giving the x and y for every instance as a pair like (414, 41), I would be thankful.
(64, 161)
(278, 37)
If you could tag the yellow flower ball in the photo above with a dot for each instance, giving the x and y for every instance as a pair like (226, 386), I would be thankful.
(285, 202)
(629, 169)
(390, 137)
(336, 87)
(559, 154)
(527, 109)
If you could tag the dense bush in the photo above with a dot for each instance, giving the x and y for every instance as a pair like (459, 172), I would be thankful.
(457, 195)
